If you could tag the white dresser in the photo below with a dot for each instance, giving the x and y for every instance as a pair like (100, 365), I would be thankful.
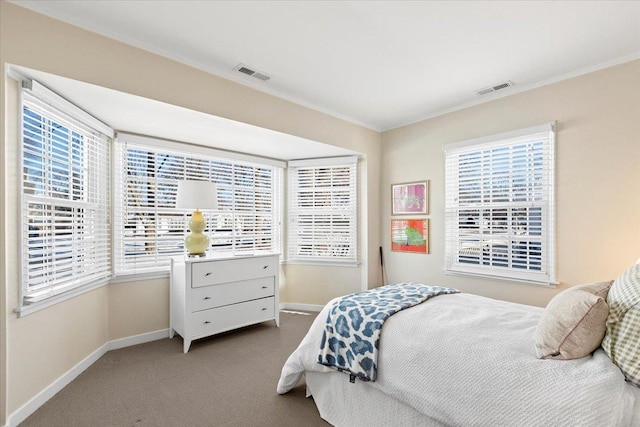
(211, 295)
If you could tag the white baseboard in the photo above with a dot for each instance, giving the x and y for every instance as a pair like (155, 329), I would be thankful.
(138, 339)
(41, 398)
(303, 307)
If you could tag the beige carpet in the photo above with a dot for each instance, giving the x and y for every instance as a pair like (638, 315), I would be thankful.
(225, 380)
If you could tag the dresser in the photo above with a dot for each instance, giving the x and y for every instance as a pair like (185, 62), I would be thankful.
(210, 295)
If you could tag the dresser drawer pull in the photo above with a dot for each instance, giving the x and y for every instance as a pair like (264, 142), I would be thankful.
(207, 298)
(264, 287)
(264, 309)
(265, 267)
(208, 274)
(206, 321)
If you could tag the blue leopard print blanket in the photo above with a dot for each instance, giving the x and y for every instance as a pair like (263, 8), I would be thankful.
(352, 331)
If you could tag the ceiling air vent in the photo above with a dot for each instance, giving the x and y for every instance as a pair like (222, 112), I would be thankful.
(261, 76)
(253, 73)
(494, 88)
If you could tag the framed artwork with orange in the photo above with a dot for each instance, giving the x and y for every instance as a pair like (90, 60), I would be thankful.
(410, 235)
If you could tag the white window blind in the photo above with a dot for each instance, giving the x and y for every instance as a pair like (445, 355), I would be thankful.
(323, 210)
(499, 203)
(147, 226)
(65, 197)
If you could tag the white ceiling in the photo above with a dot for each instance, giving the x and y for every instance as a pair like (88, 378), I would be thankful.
(377, 63)
(138, 115)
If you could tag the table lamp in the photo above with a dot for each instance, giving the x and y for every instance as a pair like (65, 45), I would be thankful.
(196, 195)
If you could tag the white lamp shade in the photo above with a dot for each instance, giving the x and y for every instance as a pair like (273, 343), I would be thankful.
(197, 195)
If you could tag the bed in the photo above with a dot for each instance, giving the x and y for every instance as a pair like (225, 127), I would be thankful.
(465, 360)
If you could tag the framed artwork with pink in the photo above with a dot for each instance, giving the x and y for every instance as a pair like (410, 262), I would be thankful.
(410, 198)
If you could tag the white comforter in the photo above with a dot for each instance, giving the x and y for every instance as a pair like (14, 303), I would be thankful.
(470, 361)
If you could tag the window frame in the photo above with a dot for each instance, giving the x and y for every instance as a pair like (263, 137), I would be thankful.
(529, 210)
(202, 154)
(351, 211)
(57, 285)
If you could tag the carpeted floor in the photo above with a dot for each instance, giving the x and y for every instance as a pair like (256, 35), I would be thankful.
(225, 380)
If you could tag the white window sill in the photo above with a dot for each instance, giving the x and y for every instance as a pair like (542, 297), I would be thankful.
(136, 277)
(24, 310)
(318, 263)
(550, 285)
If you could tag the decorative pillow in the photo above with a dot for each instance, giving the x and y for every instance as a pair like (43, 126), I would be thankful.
(574, 322)
(622, 339)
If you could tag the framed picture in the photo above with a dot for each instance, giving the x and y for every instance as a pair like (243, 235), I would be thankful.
(410, 235)
(410, 198)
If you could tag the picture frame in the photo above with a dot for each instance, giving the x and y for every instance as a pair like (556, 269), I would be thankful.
(410, 235)
(410, 198)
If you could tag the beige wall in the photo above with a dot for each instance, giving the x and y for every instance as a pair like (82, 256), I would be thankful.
(320, 284)
(68, 332)
(598, 178)
(138, 307)
(44, 345)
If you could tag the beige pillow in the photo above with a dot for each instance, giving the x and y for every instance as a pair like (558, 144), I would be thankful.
(574, 322)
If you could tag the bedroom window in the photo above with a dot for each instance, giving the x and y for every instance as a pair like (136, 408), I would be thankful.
(323, 210)
(65, 194)
(149, 229)
(499, 203)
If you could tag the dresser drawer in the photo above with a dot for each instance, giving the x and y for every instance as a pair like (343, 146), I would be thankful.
(208, 322)
(230, 293)
(232, 270)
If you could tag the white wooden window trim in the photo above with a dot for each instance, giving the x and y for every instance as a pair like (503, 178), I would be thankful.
(247, 221)
(322, 209)
(500, 206)
(64, 199)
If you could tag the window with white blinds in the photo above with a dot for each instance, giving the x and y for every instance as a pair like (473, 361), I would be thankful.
(147, 226)
(65, 189)
(499, 202)
(323, 210)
